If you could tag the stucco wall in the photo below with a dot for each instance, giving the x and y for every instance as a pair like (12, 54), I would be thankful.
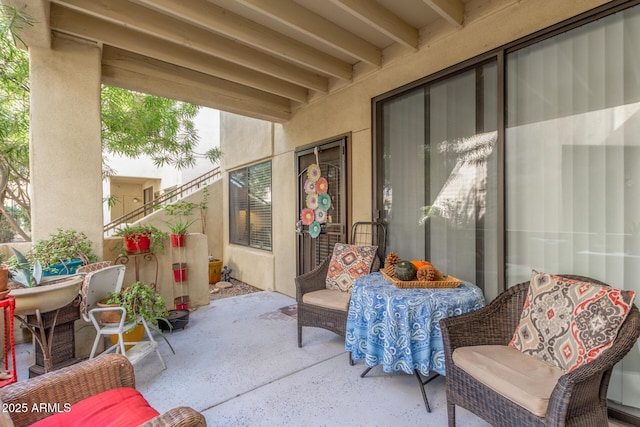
(349, 110)
(245, 140)
(66, 166)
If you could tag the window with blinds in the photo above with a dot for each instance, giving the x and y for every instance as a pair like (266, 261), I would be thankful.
(250, 206)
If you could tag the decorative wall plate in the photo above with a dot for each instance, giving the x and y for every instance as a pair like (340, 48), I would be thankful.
(313, 172)
(324, 201)
(321, 216)
(307, 216)
(314, 229)
(312, 200)
(322, 185)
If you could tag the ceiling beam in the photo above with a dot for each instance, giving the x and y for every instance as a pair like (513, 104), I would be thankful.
(305, 21)
(71, 22)
(382, 20)
(451, 10)
(122, 12)
(140, 73)
(167, 88)
(216, 19)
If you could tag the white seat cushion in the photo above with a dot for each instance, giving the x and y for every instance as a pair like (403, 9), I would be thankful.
(328, 298)
(523, 379)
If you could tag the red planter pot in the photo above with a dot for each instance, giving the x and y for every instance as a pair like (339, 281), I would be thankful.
(180, 272)
(137, 243)
(177, 240)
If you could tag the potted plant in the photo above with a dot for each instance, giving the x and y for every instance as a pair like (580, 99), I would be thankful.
(141, 300)
(21, 271)
(62, 252)
(142, 238)
(4, 278)
(181, 211)
(28, 286)
(215, 270)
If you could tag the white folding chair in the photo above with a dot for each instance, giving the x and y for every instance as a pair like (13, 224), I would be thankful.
(99, 284)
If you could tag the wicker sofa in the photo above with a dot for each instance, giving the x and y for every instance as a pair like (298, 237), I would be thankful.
(579, 397)
(77, 382)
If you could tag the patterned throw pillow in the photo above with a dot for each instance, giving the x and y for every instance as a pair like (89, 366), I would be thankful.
(349, 262)
(568, 323)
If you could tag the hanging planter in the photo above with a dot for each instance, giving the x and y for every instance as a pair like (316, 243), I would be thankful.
(182, 302)
(180, 272)
(177, 240)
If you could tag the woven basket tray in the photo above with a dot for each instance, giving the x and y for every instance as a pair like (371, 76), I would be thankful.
(450, 282)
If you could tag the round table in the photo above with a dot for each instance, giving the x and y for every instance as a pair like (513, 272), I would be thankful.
(399, 328)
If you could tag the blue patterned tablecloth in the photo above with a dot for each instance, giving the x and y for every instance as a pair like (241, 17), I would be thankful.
(398, 327)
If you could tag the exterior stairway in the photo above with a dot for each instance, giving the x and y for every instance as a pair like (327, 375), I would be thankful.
(159, 202)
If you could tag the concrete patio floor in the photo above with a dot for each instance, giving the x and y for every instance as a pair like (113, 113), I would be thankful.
(237, 362)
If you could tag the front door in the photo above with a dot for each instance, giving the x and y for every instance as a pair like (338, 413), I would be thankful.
(330, 156)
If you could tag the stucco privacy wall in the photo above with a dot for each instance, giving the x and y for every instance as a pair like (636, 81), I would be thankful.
(66, 154)
(349, 110)
(195, 253)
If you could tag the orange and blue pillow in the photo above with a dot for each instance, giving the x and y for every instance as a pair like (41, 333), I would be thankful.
(348, 262)
(569, 323)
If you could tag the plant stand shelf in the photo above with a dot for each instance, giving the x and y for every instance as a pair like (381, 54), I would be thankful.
(137, 259)
(140, 350)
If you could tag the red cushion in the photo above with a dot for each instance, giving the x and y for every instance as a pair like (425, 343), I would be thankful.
(117, 407)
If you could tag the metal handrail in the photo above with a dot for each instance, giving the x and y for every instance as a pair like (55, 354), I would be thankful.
(165, 199)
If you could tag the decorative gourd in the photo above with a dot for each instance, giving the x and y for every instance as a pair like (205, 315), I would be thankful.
(405, 270)
(420, 263)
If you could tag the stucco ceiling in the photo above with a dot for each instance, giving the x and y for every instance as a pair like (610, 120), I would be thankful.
(259, 58)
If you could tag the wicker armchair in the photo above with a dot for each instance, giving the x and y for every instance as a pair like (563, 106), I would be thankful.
(579, 397)
(362, 233)
(315, 315)
(77, 382)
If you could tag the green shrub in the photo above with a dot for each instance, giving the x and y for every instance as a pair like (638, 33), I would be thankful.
(62, 246)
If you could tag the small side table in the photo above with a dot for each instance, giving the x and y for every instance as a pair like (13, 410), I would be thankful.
(9, 303)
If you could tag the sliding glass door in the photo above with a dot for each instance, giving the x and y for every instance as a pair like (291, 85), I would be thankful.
(488, 184)
(572, 163)
(438, 168)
